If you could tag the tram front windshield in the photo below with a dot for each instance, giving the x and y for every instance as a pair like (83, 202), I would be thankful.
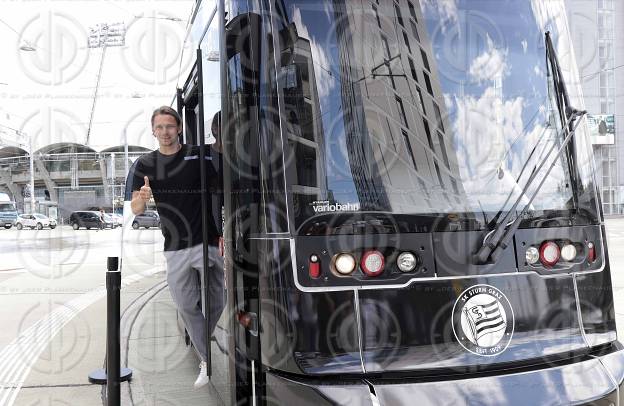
(430, 109)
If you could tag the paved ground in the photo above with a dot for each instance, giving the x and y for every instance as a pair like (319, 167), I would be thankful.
(615, 241)
(54, 314)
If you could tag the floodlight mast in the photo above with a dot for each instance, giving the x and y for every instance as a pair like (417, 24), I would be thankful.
(102, 36)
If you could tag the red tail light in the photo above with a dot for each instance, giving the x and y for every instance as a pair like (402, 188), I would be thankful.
(314, 267)
(549, 253)
(372, 263)
(591, 255)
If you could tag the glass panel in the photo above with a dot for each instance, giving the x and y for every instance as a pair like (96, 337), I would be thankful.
(211, 80)
(490, 89)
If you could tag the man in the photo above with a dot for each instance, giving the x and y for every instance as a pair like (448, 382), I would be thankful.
(102, 222)
(171, 174)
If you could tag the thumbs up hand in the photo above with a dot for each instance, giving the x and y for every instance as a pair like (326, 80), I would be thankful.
(145, 193)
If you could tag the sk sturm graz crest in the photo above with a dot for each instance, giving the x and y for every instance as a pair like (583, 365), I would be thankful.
(483, 320)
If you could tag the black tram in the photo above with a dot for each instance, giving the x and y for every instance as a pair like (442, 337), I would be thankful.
(411, 214)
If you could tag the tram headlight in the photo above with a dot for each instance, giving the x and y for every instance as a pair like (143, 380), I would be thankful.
(568, 252)
(406, 262)
(344, 263)
(372, 263)
(532, 255)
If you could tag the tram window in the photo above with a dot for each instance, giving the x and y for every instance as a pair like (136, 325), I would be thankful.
(241, 119)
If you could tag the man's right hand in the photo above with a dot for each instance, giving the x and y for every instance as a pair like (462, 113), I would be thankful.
(145, 193)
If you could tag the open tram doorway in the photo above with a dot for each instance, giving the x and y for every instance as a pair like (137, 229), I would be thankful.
(198, 102)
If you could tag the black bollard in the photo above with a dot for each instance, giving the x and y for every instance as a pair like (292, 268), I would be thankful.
(113, 374)
(113, 285)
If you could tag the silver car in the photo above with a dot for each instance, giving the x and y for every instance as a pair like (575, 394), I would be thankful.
(149, 218)
(33, 221)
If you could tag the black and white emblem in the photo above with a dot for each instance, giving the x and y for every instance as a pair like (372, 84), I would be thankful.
(483, 320)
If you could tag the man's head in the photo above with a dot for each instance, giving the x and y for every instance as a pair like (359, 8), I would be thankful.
(166, 126)
(215, 129)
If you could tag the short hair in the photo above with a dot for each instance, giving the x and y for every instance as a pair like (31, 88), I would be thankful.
(166, 110)
(216, 123)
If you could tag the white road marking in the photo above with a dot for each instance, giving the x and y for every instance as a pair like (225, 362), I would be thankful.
(18, 357)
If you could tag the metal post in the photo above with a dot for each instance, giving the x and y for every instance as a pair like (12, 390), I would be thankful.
(113, 374)
(32, 176)
(126, 169)
(205, 214)
(97, 86)
(113, 285)
(113, 163)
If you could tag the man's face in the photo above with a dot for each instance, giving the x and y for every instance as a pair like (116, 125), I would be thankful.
(166, 130)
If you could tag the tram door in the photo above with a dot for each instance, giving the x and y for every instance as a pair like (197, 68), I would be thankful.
(199, 104)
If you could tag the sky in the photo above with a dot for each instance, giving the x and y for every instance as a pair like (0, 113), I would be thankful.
(47, 95)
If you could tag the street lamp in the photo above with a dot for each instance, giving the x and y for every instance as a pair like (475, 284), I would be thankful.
(31, 166)
(27, 47)
(32, 174)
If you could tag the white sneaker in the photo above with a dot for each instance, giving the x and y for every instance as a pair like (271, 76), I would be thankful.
(202, 378)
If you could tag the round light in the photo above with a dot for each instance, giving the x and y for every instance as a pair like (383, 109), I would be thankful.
(549, 253)
(532, 255)
(313, 258)
(406, 262)
(344, 264)
(568, 252)
(372, 263)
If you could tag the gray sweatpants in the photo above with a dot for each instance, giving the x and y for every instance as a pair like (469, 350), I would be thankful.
(186, 291)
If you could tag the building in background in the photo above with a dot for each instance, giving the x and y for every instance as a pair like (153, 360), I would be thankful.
(598, 45)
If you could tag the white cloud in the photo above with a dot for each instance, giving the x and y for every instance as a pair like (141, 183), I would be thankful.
(490, 65)
(483, 129)
(493, 147)
(446, 9)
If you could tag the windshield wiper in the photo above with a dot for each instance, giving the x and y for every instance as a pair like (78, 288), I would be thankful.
(498, 239)
(565, 110)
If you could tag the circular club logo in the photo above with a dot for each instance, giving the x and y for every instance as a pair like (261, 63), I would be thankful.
(483, 320)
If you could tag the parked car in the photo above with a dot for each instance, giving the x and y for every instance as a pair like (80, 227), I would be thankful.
(88, 219)
(33, 221)
(149, 218)
(109, 221)
(8, 212)
(118, 219)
